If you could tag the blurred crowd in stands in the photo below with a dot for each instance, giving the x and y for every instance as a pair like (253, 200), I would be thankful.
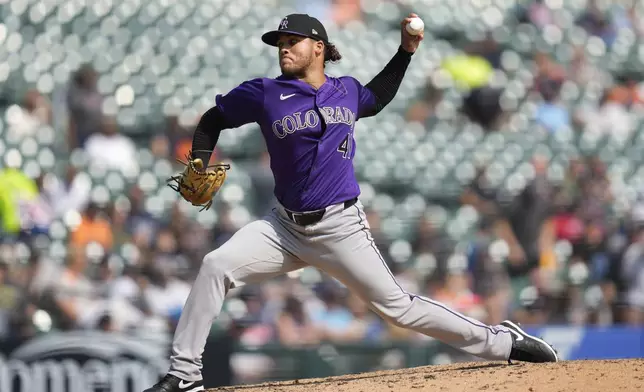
(510, 268)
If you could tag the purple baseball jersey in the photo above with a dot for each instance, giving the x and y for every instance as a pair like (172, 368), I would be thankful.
(308, 133)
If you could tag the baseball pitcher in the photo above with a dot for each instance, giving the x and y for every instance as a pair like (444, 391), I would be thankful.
(307, 119)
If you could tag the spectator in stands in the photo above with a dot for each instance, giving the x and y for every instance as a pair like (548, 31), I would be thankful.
(482, 106)
(117, 214)
(533, 307)
(624, 17)
(225, 227)
(567, 200)
(293, 326)
(74, 293)
(599, 303)
(41, 275)
(472, 71)
(548, 73)
(17, 194)
(167, 255)
(595, 193)
(423, 110)
(32, 281)
(530, 210)
(480, 194)
(573, 302)
(195, 240)
(126, 286)
(611, 118)
(117, 313)
(106, 324)
(344, 12)
(71, 193)
(581, 71)
(539, 14)
(178, 137)
(591, 250)
(487, 48)
(456, 292)
(25, 119)
(632, 274)
(636, 20)
(94, 227)
(406, 275)
(177, 140)
(165, 293)
(8, 299)
(362, 327)
(334, 319)
(160, 147)
(251, 331)
(253, 298)
(85, 106)
(112, 150)
(550, 113)
(626, 91)
(140, 224)
(366, 326)
(597, 22)
(490, 280)
(566, 221)
(429, 239)
(40, 212)
(484, 198)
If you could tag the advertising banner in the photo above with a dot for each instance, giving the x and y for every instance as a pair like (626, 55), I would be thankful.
(81, 362)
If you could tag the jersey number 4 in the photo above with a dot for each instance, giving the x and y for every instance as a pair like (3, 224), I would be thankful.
(345, 147)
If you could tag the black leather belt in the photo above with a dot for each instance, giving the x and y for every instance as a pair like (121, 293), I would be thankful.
(312, 217)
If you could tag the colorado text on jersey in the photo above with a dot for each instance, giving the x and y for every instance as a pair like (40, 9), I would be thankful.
(296, 122)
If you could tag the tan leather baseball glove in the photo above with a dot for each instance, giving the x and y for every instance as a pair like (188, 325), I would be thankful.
(198, 184)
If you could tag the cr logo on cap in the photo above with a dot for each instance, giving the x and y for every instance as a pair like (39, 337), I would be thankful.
(284, 24)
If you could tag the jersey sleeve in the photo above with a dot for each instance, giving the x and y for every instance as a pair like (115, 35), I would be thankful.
(243, 104)
(366, 99)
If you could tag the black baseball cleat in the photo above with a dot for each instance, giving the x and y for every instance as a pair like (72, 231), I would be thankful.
(527, 348)
(171, 383)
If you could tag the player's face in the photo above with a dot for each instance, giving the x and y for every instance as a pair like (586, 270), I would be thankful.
(296, 54)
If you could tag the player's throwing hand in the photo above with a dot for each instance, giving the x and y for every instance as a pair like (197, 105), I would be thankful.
(409, 42)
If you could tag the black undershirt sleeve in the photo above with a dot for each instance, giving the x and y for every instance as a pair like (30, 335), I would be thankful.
(207, 134)
(385, 85)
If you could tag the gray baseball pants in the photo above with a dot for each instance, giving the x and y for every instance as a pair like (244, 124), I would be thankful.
(340, 245)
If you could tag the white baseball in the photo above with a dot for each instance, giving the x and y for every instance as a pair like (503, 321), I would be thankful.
(415, 26)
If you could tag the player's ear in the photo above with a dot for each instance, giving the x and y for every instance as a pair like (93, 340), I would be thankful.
(319, 48)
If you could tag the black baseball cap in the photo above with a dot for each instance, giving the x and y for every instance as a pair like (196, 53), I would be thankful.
(297, 24)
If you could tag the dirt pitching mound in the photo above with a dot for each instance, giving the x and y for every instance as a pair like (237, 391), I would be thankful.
(565, 376)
